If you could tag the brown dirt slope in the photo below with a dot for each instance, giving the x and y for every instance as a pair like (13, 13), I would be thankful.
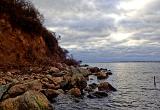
(19, 47)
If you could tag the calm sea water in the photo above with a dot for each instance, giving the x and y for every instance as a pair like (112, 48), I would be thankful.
(135, 85)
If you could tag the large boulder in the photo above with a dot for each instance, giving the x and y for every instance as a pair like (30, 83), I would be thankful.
(50, 93)
(79, 81)
(66, 83)
(75, 92)
(105, 86)
(84, 72)
(97, 94)
(76, 80)
(21, 88)
(52, 70)
(101, 75)
(30, 100)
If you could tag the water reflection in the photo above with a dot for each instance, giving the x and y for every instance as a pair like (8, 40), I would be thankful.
(135, 85)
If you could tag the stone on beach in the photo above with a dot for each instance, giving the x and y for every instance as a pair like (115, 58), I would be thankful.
(101, 75)
(30, 100)
(19, 89)
(105, 86)
(75, 92)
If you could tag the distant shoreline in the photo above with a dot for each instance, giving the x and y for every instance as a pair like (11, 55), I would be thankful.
(125, 62)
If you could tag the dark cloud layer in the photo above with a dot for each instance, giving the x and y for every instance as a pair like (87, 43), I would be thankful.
(105, 30)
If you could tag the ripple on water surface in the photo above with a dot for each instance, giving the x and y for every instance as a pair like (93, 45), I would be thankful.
(136, 90)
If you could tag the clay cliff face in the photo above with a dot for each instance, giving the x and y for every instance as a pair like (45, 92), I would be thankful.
(19, 47)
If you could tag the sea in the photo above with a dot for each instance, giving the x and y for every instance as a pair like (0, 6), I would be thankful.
(136, 89)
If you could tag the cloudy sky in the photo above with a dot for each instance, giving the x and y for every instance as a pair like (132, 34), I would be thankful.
(105, 30)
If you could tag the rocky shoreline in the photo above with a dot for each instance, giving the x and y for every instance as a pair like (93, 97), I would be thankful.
(35, 87)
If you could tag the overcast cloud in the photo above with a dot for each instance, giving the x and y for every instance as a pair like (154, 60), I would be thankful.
(105, 30)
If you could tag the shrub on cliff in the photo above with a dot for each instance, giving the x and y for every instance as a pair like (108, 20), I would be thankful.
(70, 60)
(23, 15)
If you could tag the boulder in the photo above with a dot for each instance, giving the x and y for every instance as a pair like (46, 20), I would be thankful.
(77, 80)
(19, 89)
(93, 85)
(97, 94)
(84, 72)
(75, 92)
(50, 93)
(94, 69)
(47, 85)
(109, 73)
(57, 80)
(73, 70)
(101, 75)
(105, 86)
(30, 100)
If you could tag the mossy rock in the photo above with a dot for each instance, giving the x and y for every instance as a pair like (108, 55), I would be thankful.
(30, 100)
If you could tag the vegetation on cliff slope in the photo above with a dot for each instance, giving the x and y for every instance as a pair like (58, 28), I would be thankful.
(22, 15)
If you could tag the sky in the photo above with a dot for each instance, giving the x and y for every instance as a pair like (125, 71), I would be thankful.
(105, 30)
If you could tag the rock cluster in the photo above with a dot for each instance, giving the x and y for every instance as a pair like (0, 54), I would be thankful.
(33, 88)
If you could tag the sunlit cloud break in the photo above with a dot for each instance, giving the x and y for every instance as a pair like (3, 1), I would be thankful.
(105, 30)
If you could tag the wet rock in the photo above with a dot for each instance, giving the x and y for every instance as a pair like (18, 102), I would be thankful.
(84, 72)
(97, 94)
(19, 89)
(81, 83)
(85, 65)
(77, 100)
(105, 86)
(59, 74)
(94, 69)
(57, 80)
(30, 100)
(91, 96)
(103, 69)
(76, 80)
(101, 75)
(46, 85)
(65, 85)
(50, 93)
(89, 89)
(73, 70)
(93, 85)
(75, 92)
(109, 73)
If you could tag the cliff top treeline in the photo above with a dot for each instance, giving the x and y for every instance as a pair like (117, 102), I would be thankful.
(22, 15)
